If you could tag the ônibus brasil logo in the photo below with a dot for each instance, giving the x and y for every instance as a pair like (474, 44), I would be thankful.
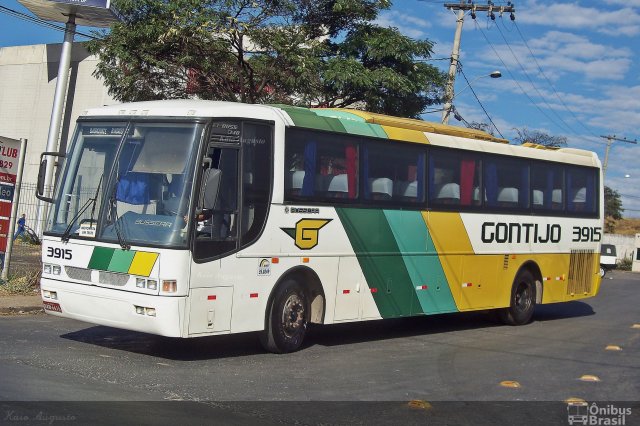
(583, 413)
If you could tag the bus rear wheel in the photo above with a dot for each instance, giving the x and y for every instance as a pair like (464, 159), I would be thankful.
(523, 300)
(286, 323)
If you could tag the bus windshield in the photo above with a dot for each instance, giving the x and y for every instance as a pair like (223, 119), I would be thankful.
(127, 182)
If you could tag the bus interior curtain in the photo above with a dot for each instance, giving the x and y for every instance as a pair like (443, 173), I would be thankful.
(570, 203)
(420, 177)
(491, 183)
(365, 172)
(467, 173)
(548, 193)
(133, 188)
(352, 159)
(589, 196)
(308, 182)
(432, 178)
(523, 196)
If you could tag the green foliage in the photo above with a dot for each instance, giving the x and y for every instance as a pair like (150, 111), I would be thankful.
(625, 264)
(302, 52)
(541, 138)
(612, 204)
(25, 283)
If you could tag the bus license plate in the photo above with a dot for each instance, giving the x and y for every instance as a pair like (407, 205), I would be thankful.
(51, 306)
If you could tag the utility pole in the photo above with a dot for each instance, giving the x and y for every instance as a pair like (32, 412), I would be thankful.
(610, 140)
(462, 8)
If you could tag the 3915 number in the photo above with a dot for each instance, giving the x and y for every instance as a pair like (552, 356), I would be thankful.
(59, 253)
(584, 234)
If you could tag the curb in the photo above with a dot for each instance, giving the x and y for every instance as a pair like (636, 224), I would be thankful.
(21, 310)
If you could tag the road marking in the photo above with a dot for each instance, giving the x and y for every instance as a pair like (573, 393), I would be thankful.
(419, 404)
(510, 384)
(635, 326)
(613, 348)
(590, 378)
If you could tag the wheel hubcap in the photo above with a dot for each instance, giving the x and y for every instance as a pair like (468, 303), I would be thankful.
(523, 297)
(293, 315)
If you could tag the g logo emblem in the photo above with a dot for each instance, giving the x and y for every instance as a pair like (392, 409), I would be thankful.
(306, 232)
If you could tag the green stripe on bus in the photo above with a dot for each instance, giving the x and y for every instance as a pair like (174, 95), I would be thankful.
(421, 260)
(121, 261)
(309, 119)
(100, 258)
(354, 124)
(379, 257)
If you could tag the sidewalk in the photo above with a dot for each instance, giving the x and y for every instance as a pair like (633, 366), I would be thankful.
(14, 305)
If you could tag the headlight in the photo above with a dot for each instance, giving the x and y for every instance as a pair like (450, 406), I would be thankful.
(152, 284)
(46, 268)
(140, 282)
(56, 269)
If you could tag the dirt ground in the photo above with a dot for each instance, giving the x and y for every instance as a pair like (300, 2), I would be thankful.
(25, 258)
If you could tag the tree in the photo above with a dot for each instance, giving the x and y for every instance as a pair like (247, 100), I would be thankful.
(612, 203)
(301, 52)
(482, 126)
(540, 138)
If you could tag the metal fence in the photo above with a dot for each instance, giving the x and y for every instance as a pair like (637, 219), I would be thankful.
(25, 255)
(29, 205)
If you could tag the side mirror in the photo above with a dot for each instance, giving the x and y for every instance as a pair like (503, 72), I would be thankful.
(42, 170)
(210, 188)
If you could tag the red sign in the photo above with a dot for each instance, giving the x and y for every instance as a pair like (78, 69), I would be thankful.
(4, 233)
(9, 154)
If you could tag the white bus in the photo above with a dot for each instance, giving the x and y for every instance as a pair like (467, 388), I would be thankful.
(195, 218)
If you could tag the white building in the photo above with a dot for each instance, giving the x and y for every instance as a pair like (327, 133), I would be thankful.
(28, 76)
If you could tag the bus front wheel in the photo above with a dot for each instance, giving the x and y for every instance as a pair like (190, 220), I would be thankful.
(286, 323)
(523, 300)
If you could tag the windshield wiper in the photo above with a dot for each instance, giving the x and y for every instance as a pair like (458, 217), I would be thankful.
(113, 214)
(91, 201)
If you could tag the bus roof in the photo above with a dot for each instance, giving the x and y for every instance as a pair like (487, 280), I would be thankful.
(350, 121)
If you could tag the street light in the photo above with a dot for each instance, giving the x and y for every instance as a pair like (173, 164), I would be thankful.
(448, 105)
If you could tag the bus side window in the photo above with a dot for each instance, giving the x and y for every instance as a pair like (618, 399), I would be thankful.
(217, 228)
(547, 182)
(454, 179)
(256, 180)
(319, 167)
(581, 190)
(393, 176)
(506, 182)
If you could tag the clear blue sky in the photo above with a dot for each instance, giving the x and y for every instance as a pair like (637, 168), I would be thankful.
(570, 68)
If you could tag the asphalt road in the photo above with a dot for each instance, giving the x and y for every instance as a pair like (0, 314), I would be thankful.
(444, 369)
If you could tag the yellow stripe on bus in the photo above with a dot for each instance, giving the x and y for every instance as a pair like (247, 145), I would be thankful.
(142, 263)
(405, 134)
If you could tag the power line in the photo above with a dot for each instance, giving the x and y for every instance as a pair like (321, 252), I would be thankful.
(551, 84)
(41, 22)
(514, 78)
(480, 103)
(524, 71)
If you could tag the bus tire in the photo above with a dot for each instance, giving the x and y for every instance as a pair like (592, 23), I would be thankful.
(603, 271)
(286, 323)
(523, 300)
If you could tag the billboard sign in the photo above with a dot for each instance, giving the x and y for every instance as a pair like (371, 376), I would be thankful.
(91, 3)
(9, 155)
